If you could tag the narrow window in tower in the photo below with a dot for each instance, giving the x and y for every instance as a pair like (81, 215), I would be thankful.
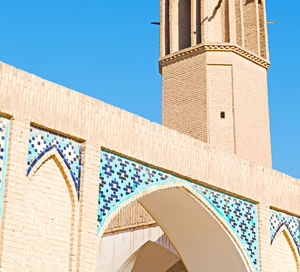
(184, 19)
(198, 21)
(167, 27)
(222, 114)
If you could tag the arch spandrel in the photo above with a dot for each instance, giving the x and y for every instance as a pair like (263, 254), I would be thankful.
(43, 142)
(123, 181)
(282, 221)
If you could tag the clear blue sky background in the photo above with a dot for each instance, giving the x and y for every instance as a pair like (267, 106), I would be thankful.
(109, 50)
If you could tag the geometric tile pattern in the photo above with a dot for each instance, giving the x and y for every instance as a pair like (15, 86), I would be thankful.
(240, 214)
(4, 130)
(42, 141)
(121, 178)
(292, 223)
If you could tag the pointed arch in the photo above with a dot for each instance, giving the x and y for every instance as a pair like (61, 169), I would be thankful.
(199, 201)
(284, 232)
(54, 153)
(72, 215)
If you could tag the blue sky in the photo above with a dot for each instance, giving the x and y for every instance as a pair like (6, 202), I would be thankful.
(109, 50)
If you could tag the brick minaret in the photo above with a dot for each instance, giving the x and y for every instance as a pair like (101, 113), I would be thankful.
(214, 60)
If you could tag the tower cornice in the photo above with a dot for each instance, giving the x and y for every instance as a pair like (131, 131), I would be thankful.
(223, 47)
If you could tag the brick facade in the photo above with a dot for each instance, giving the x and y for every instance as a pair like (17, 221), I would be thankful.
(56, 180)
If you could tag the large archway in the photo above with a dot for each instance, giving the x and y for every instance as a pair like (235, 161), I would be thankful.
(200, 235)
(213, 222)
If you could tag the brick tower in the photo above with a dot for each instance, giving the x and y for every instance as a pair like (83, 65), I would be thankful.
(214, 60)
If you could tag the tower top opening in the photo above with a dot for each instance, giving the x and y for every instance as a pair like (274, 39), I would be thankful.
(188, 23)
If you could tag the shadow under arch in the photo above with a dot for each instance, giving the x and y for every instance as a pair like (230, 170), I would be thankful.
(202, 238)
(291, 242)
(150, 257)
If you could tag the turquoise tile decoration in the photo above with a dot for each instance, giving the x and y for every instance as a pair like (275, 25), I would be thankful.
(292, 223)
(4, 131)
(121, 179)
(42, 141)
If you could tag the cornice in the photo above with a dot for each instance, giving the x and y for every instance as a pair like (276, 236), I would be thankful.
(201, 48)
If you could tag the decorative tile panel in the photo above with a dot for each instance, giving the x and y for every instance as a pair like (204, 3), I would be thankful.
(4, 130)
(240, 214)
(42, 141)
(121, 179)
(292, 223)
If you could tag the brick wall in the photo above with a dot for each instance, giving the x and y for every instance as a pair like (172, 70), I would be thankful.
(197, 89)
(221, 131)
(184, 97)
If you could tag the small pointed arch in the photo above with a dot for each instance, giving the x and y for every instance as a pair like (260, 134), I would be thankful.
(54, 154)
(284, 233)
(50, 200)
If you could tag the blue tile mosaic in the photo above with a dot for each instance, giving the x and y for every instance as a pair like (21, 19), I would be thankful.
(121, 178)
(4, 130)
(42, 141)
(292, 223)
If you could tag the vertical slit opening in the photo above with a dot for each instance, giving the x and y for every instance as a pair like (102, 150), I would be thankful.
(198, 21)
(167, 27)
(184, 14)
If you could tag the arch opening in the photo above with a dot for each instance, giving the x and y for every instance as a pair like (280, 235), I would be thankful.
(199, 236)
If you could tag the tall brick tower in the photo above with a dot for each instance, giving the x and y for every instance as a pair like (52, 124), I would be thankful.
(214, 60)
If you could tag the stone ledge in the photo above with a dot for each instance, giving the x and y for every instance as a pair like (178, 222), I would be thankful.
(201, 48)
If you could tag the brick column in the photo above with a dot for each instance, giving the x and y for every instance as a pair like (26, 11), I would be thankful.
(87, 245)
(232, 21)
(162, 44)
(193, 22)
(264, 238)
(174, 35)
(15, 180)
